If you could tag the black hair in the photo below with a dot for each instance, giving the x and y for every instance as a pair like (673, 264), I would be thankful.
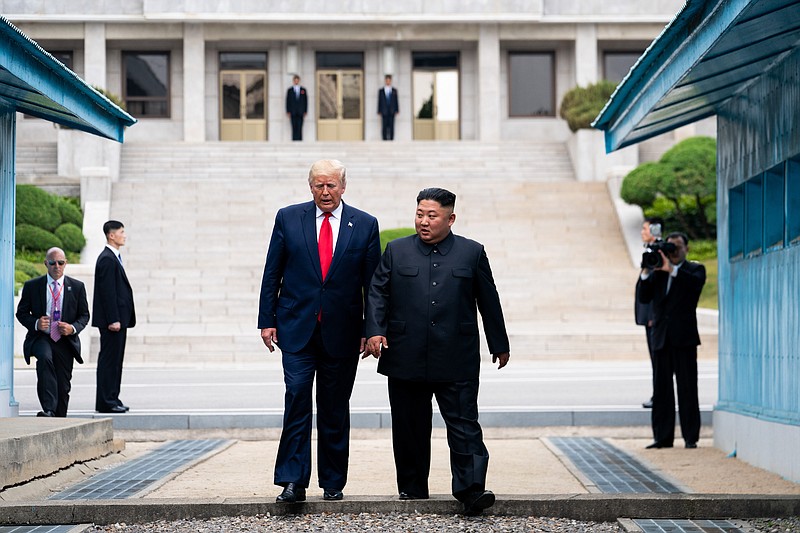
(655, 220)
(443, 196)
(680, 234)
(112, 225)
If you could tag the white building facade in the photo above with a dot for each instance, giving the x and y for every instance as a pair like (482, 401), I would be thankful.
(203, 70)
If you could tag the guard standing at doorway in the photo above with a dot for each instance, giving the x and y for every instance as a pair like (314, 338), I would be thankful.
(296, 107)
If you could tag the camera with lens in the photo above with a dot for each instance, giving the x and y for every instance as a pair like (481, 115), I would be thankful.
(651, 259)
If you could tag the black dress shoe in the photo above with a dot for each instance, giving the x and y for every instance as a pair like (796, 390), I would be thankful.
(475, 503)
(291, 494)
(332, 494)
(691, 445)
(117, 409)
(648, 404)
(46, 413)
(658, 445)
(125, 407)
(408, 496)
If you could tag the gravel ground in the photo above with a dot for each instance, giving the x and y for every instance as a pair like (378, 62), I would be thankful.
(777, 525)
(337, 522)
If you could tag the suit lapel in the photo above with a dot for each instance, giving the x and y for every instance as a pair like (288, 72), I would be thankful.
(67, 303)
(346, 225)
(309, 223)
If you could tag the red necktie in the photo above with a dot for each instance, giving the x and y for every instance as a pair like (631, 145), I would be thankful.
(325, 245)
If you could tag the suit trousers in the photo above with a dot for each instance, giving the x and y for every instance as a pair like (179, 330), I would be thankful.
(109, 368)
(297, 127)
(335, 377)
(648, 331)
(53, 374)
(412, 418)
(682, 362)
(387, 126)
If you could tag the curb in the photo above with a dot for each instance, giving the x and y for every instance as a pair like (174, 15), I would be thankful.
(593, 507)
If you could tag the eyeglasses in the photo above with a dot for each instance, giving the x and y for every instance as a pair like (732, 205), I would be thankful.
(52, 262)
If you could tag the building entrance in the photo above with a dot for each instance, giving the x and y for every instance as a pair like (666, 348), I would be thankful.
(435, 96)
(243, 96)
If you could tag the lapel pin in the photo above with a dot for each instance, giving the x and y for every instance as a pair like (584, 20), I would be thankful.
(350, 224)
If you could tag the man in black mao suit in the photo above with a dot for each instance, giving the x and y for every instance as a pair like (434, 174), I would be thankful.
(54, 315)
(296, 107)
(422, 323)
(674, 289)
(320, 260)
(387, 109)
(113, 313)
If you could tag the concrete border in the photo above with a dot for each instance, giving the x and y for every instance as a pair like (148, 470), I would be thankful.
(594, 507)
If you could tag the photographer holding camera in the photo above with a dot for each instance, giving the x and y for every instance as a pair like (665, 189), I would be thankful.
(672, 286)
(651, 234)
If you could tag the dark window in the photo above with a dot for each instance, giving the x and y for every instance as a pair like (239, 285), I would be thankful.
(754, 216)
(340, 60)
(774, 206)
(435, 60)
(617, 64)
(531, 84)
(146, 87)
(736, 222)
(793, 201)
(243, 61)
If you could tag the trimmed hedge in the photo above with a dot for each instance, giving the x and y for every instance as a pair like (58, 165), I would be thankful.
(72, 237)
(394, 233)
(28, 268)
(33, 238)
(70, 213)
(38, 208)
(581, 105)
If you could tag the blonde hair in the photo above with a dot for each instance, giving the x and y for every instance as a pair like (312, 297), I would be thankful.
(327, 167)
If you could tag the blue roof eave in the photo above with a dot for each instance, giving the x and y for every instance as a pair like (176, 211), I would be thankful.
(70, 100)
(679, 47)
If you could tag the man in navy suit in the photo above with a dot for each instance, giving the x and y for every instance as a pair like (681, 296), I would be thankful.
(319, 263)
(296, 107)
(54, 309)
(422, 322)
(674, 289)
(387, 108)
(113, 313)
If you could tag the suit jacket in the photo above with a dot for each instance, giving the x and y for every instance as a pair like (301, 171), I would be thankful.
(292, 289)
(675, 313)
(296, 105)
(33, 305)
(113, 295)
(424, 299)
(390, 106)
(642, 312)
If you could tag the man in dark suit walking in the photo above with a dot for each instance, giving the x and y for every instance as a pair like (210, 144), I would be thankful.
(422, 324)
(54, 310)
(113, 313)
(674, 289)
(320, 259)
(296, 107)
(387, 108)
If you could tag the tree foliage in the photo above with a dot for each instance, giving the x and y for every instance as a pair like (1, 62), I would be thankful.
(681, 187)
(581, 105)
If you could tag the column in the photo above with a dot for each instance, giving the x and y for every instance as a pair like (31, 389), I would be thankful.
(94, 44)
(194, 83)
(586, 61)
(489, 83)
(8, 406)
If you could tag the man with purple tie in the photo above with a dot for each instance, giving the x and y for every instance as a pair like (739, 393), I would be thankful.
(54, 309)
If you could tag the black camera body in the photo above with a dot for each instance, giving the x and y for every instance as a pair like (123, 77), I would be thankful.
(651, 259)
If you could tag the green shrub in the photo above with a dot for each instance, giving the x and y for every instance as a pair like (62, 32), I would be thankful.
(32, 270)
(70, 212)
(111, 96)
(35, 239)
(37, 208)
(581, 105)
(72, 237)
(394, 233)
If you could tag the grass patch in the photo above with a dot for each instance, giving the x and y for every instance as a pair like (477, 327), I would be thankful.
(394, 233)
(706, 252)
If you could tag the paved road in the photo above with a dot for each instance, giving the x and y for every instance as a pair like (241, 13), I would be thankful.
(521, 386)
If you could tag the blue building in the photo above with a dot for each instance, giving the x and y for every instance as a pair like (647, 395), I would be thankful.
(739, 60)
(35, 83)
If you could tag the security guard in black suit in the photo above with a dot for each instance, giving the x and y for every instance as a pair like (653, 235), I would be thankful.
(422, 323)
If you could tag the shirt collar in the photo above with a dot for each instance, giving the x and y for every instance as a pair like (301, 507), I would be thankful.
(50, 280)
(336, 213)
(443, 246)
(116, 251)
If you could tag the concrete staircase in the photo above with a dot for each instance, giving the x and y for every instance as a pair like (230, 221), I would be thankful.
(199, 218)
